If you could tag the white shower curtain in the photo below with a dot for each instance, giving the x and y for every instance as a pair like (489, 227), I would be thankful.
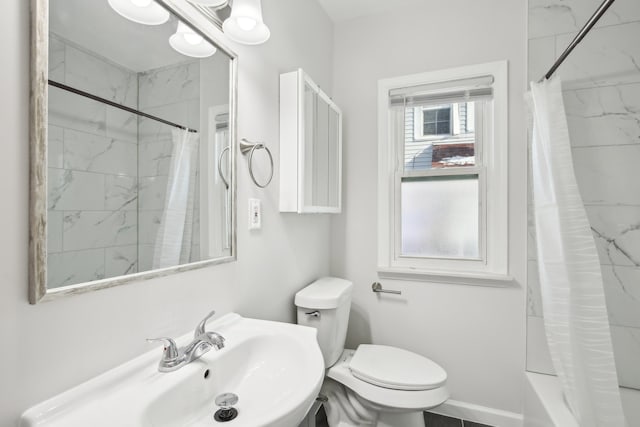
(575, 314)
(174, 239)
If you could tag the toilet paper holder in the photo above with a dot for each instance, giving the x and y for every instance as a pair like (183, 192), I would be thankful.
(377, 287)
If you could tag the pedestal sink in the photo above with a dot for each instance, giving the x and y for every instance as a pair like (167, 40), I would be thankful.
(276, 370)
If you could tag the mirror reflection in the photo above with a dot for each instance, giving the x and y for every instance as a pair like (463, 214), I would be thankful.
(139, 166)
(322, 186)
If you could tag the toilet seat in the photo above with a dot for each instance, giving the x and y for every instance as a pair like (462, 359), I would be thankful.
(395, 368)
(385, 397)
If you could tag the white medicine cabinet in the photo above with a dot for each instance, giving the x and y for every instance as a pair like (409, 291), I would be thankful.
(310, 147)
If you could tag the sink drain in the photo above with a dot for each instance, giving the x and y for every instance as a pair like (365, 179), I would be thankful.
(226, 412)
(223, 415)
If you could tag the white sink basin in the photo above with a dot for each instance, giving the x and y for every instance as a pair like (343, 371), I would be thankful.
(276, 370)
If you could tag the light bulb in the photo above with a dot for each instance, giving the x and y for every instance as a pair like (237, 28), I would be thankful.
(216, 4)
(246, 24)
(188, 42)
(146, 12)
(141, 3)
(192, 38)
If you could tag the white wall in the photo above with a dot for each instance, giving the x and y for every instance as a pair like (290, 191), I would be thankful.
(476, 333)
(47, 348)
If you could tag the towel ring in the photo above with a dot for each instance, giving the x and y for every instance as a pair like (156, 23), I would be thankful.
(247, 146)
(226, 183)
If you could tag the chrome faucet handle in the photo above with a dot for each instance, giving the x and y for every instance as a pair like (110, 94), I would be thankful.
(200, 329)
(215, 339)
(170, 351)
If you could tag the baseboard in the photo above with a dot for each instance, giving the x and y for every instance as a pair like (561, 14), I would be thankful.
(479, 414)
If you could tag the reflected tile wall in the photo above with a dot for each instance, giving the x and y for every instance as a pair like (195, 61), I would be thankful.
(54, 231)
(123, 126)
(121, 193)
(156, 155)
(94, 153)
(145, 256)
(70, 111)
(149, 223)
(91, 73)
(68, 268)
(121, 260)
(93, 188)
(55, 147)
(172, 93)
(107, 166)
(151, 192)
(99, 229)
(56, 59)
(74, 190)
(601, 81)
(168, 85)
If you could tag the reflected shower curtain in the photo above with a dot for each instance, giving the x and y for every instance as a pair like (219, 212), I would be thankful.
(174, 239)
(575, 314)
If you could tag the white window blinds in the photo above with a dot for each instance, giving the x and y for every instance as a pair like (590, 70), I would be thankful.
(472, 89)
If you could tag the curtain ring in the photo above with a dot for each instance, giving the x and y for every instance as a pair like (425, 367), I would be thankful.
(226, 183)
(250, 147)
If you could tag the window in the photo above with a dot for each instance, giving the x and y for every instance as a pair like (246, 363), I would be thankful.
(436, 120)
(442, 164)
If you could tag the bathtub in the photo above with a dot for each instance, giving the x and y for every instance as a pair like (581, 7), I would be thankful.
(544, 405)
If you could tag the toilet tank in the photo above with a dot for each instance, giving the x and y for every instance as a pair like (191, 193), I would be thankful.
(325, 305)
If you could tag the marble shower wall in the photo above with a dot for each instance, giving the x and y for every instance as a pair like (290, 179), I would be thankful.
(108, 169)
(601, 81)
(171, 93)
(92, 167)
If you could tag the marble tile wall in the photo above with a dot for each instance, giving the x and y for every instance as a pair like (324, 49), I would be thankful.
(92, 162)
(601, 81)
(108, 169)
(172, 93)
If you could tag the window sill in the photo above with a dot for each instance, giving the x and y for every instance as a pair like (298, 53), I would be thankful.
(453, 277)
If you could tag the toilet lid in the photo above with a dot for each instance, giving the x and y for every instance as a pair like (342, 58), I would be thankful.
(394, 368)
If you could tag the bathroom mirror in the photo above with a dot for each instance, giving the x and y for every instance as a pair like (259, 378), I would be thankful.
(132, 144)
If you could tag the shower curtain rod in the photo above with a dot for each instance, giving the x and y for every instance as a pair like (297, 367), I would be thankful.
(116, 105)
(583, 32)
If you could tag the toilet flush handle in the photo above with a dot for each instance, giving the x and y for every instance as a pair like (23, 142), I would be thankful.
(314, 313)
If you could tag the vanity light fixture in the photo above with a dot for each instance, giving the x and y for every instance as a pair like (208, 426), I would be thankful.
(146, 12)
(245, 25)
(189, 43)
(215, 4)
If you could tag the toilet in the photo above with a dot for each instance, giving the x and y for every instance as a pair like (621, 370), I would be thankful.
(373, 385)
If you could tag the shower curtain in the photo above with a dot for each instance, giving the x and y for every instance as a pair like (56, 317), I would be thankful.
(573, 302)
(174, 239)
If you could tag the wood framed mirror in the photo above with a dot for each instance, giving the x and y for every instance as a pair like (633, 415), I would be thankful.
(132, 144)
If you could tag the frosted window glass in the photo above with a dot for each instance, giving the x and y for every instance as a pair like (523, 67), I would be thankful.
(440, 217)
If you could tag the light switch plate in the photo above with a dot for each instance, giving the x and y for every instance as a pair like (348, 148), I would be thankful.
(255, 214)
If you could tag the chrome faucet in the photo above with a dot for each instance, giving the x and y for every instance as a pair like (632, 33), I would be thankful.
(174, 358)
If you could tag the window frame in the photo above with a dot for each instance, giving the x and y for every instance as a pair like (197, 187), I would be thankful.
(492, 266)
